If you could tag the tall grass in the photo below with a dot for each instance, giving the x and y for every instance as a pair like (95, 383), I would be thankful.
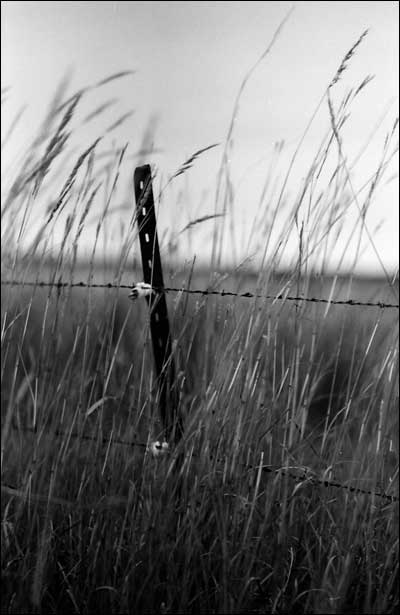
(273, 396)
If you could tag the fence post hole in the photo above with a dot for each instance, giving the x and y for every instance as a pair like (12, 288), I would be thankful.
(159, 323)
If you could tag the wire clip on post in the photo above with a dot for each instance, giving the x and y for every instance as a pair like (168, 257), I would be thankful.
(159, 323)
(140, 290)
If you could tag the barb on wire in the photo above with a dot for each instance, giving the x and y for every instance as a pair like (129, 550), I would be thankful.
(204, 292)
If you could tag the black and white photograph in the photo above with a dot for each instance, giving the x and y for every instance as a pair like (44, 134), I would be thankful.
(199, 307)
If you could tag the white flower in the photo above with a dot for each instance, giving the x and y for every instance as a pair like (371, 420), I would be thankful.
(157, 449)
(140, 290)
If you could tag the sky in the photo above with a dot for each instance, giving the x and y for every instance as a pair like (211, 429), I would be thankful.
(189, 61)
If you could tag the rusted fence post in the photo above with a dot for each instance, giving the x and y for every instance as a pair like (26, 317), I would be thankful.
(159, 323)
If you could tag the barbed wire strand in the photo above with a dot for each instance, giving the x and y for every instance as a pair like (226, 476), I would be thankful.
(221, 293)
(303, 478)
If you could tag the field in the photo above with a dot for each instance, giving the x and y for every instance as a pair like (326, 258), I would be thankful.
(281, 496)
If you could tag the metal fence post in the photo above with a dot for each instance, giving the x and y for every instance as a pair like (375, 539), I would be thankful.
(159, 323)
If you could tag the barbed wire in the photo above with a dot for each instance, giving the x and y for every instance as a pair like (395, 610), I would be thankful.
(309, 478)
(205, 292)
